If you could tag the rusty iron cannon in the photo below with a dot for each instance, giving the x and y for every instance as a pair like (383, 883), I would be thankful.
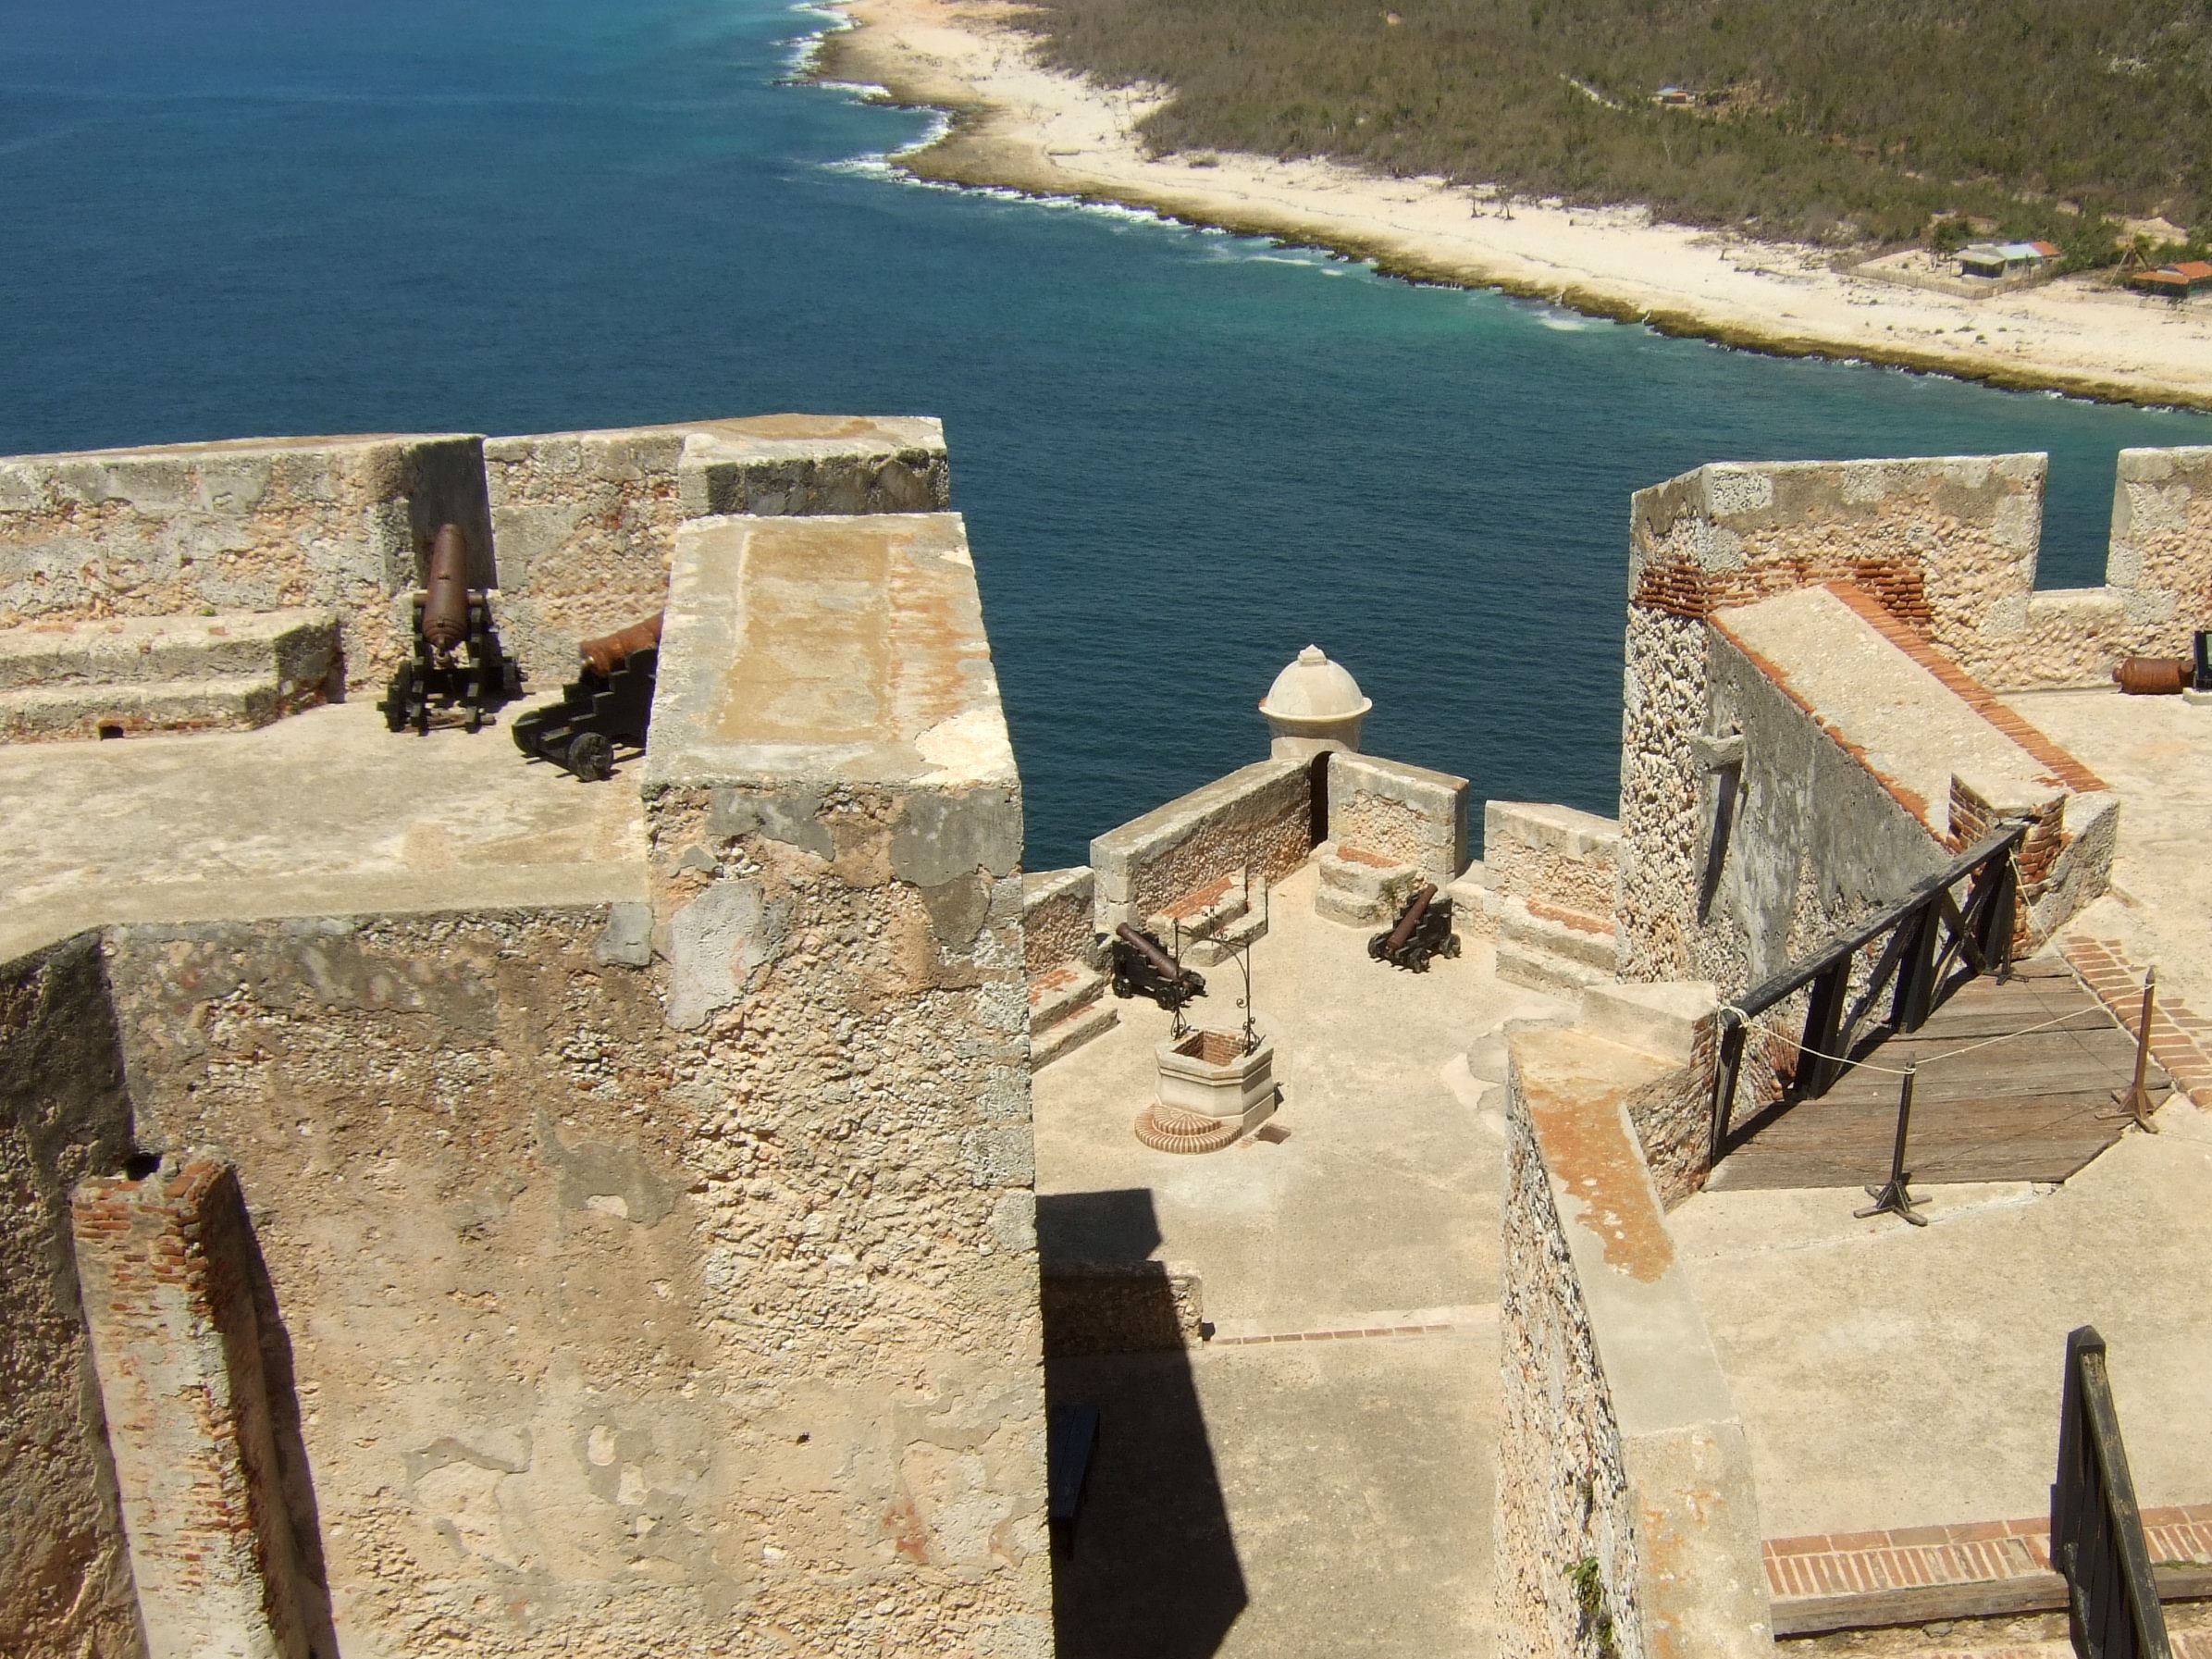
(1424, 931)
(456, 657)
(1144, 968)
(610, 701)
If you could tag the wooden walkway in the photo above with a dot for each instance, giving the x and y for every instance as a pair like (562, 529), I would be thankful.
(2030, 1108)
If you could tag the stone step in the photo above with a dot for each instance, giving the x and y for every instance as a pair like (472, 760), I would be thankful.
(1240, 934)
(1554, 929)
(1201, 912)
(1521, 965)
(1061, 992)
(1361, 888)
(66, 713)
(1358, 874)
(1070, 1034)
(296, 648)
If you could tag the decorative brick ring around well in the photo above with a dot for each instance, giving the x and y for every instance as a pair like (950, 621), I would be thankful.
(1173, 1129)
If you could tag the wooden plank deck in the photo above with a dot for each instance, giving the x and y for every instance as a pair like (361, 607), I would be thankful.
(2027, 1108)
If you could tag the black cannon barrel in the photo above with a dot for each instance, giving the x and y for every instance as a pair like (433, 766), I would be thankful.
(1145, 947)
(1414, 910)
(445, 592)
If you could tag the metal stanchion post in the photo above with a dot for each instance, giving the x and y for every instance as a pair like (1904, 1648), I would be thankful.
(2135, 1102)
(1892, 1198)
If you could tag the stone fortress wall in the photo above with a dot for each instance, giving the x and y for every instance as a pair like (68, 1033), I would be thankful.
(588, 1279)
(574, 530)
(1942, 553)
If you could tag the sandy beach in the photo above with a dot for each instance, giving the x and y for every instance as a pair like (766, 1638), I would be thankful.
(1021, 127)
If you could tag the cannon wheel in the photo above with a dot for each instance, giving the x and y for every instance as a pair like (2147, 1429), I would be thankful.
(398, 697)
(1450, 944)
(591, 758)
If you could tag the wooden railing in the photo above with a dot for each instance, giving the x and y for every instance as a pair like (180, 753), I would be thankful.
(2097, 1531)
(1936, 943)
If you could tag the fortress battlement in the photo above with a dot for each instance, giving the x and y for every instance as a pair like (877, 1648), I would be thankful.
(730, 1205)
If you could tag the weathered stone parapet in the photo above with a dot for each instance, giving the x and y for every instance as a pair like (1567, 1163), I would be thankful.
(1678, 1021)
(2160, 558)
(167, 1264)
(335, 524)
(65, 1576)
(775, 464)
(586, 521)
(1056, 917)
(834, 833)
(1534, 849)
(1407, 813)
(1627, 1520)
(1257, 822)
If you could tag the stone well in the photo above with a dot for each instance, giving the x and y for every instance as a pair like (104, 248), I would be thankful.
(1210, 1091)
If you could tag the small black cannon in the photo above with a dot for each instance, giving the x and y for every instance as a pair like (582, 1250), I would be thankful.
(457, 656)
(1144, 968)
(609, 702)
(1424, 931)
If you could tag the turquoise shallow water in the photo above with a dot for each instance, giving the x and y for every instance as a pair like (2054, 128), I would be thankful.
(1181, 455)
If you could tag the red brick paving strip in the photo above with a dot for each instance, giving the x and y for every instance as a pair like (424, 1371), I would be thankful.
(1328, 1336)
(1828, 1564)
(2181, 1038)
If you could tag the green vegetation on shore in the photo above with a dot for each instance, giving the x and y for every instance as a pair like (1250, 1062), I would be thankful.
(1843, 120)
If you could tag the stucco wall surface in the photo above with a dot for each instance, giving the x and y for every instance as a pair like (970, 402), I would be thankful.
(482, 1243)
(1408, 814)
(834, 835)
(65, 1580)
(339, 524)
(1257, 820)
(1814, 841)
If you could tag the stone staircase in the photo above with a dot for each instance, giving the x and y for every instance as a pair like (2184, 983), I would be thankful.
(123, 677)
(1361, 888)
(1212, 920)
(1549, 947)
(1067, 1007)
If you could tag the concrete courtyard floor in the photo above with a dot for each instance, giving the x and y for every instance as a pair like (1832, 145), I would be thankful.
(2156, 753)
(324, 812)
(1892, 1376)
(1316, 1496)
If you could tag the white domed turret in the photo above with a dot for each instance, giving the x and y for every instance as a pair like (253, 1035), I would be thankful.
(1314, 705)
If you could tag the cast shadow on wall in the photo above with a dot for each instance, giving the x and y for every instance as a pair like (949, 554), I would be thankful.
(1149, 1568)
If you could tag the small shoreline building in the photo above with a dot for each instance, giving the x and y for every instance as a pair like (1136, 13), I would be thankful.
(1993, 260)
(2178, 281)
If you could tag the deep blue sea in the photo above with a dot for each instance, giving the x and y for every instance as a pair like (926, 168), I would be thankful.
(1181, 455)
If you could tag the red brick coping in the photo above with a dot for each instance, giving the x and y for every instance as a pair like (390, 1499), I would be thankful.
(2181, 1038)
(1915, 1575)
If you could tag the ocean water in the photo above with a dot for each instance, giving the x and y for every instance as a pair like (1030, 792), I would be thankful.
(1181, 455)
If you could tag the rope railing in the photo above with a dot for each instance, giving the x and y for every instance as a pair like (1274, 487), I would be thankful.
(1931, 935)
